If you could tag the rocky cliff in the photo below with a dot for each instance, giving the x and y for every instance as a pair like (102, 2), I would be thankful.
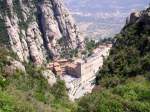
(36, 28)
(139, 17)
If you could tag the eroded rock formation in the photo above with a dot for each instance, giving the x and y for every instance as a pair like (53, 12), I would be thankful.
(35, 27)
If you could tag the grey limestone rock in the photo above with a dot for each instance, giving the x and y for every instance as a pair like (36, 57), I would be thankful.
(34, 29)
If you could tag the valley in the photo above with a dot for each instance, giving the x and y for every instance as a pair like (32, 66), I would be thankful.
(74, 56)
(102, 18)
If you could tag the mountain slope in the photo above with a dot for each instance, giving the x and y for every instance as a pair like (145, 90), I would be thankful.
(131, 51)
(124, 80)
(34, 28)
(29, 91)
(31, 34)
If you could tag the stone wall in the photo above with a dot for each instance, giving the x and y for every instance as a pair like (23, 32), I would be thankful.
(91, 65)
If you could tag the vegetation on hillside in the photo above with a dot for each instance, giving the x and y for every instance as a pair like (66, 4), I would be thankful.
(132, 96)
(130, 54)
(124, 80)
(66, 51)
(90, 45)
(30, 92)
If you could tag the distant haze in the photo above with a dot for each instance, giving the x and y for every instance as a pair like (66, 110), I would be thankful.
(103, 18)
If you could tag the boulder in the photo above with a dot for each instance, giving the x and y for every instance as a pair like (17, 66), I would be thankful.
(133, 17)
(48, 74)
(13, 67)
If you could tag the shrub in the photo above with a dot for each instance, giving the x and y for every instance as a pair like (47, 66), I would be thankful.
(59, 90)
(130, 96)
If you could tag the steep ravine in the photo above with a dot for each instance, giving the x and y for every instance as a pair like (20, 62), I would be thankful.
(35, 28)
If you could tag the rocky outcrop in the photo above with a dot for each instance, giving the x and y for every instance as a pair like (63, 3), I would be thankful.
(137, 17)
(133, 17)
(57, 23)
(13, 66)
(23, 30)
(50, 77)
(35, 28)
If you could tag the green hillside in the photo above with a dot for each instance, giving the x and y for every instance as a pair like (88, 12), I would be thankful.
(124, 80)
(30, 92)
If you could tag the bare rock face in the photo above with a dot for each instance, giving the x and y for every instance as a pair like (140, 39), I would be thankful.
(35, 28)
(13, 66)
(139, 17)
(133, 17)
(13, 32)
(57, 23)
(35, 43)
